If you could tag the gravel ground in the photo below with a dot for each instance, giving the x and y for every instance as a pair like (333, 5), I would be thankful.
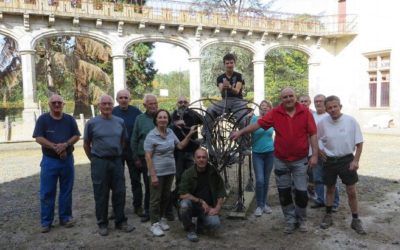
(379, 195)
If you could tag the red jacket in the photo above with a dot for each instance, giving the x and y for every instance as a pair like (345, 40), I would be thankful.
(291, 133)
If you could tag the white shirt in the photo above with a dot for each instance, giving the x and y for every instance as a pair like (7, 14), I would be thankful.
(339, 137)
(317, 118)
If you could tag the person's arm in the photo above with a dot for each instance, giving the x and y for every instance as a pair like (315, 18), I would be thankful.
(354, 164)
(182, 144)
(312, 162)
(248, 129)
(237, 88)
(152, 172)
(215, 210)
(87, 146)
(135, 144)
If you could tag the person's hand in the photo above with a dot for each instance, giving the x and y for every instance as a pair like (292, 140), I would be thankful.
(193, 129)
(138, 163)
(205, 207)
(63, 155)
(213, 211)
(226, 84)
(353, 165)
(312, 162)
(322, 155)
(60, 147)
(235, 135)
(154, 181)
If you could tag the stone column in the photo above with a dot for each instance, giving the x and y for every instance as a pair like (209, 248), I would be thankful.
(259, 84)
(194, 71)
(119, 73)
(314, 87)
(29, 85)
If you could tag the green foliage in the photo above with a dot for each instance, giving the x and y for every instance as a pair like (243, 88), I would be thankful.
(176, 82)
(212, 66)
(285, 68)
(140, 70)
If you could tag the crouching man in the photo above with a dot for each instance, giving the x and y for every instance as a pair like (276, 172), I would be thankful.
(202, 193)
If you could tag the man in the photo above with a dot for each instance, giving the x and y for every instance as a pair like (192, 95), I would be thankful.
(143, 125)
(104, 140)
(128, 113)
(56, 132)
(339, 136)
(294, 129)
(230, 85)
(183, 119)
(202, 194)
(305, 100)
(319, 201)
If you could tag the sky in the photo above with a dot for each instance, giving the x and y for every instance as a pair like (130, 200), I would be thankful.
(164, 52)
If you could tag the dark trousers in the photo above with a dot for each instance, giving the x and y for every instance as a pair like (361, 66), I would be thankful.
(159, 197)
(137, 185)
(128, 160)
(108, 174)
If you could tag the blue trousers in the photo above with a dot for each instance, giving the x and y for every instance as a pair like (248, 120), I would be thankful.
(262, 164)
(53, 170)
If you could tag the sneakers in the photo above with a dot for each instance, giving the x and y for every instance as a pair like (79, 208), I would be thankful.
(267, 209)
(289, 229)
(258, 212)
(125, 227)
(302, 226)
(103, 231)
(45, 229)
(192, 236)
(164, 226)
(156, 230)
(246, 152)
(356, 224)
(335, 209)
(68, 224)
(326, 221)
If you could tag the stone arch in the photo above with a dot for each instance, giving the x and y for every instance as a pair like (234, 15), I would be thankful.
(242, 44)
(305, 49)
(98, 37)
(176, 41)
(10, 34)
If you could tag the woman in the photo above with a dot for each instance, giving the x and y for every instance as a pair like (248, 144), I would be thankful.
(263, 159)
(159, 147)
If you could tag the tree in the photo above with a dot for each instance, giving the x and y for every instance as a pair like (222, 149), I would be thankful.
(140, 71)
(176, 82)
(285, 67)
(237, 7)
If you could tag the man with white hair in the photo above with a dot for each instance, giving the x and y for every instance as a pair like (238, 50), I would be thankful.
(104, 140)
(56, 132)
(143, 125)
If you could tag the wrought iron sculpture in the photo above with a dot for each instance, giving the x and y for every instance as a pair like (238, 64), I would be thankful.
(223, 152)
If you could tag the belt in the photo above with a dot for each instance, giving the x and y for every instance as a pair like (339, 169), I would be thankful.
(106, 157)
(338, 158)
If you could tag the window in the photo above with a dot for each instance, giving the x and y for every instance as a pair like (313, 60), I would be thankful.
(379, 79)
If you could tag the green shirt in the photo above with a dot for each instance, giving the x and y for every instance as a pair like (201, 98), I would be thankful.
(189, 182)
(143, 125)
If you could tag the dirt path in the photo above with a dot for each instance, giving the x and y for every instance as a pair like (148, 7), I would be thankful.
(379, 194)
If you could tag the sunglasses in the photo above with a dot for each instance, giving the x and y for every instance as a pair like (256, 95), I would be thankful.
(183, 102)
(123, 97)
(57, 102)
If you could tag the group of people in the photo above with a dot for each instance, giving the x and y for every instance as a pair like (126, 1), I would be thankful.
(327, 142)
(160, 147)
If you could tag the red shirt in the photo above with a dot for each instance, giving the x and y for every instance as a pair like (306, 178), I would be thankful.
(291, 133)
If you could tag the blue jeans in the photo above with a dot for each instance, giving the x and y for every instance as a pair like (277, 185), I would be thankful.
(318, 173)
(262, 164)
(188, 209)
(52, 170)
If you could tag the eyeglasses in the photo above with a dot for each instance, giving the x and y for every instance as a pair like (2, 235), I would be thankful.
(183, 102)
(57, 102)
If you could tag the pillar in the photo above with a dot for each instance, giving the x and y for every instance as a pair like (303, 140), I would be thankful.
(194, 71)
(259, 84)
(119, 73)
(29, 86)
